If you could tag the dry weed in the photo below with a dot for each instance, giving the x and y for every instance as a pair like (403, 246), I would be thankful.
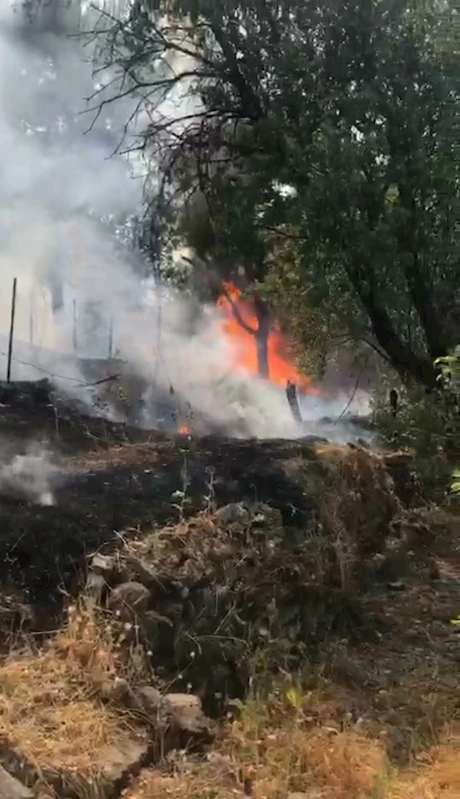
(49, 705)
(272, 750)
(437, 775)
(320, 762)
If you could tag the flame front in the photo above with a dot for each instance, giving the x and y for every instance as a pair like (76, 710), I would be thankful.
(239, 318)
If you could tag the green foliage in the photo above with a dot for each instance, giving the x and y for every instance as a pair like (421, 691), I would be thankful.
(426, 423)
(449, 366)
(450, 373)
(333, 123)
(420, 425)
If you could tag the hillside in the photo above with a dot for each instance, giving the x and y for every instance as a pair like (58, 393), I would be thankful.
(283, 607)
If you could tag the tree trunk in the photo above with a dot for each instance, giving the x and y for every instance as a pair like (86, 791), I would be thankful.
(400, 355)
(261, 335)
(420, 291)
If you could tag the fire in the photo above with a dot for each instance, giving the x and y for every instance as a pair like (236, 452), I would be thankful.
(238, 320)
(184, 430)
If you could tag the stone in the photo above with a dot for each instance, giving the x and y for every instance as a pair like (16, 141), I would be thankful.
(186, 713)
(149, 701)
(11, 788)
(401, 458)
(14, 612)
(96, 586)
(143, 572)
(267, 521)
(107, 566)
(129, 600)
(123, 759)
(232, 513)
(115, 691)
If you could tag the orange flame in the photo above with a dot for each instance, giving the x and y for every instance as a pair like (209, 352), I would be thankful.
(238, 320)
(184, 430)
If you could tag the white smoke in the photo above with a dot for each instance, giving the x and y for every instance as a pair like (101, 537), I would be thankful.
(51, 173)
(28, 476)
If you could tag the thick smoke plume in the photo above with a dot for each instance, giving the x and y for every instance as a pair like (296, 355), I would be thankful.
(62, 197)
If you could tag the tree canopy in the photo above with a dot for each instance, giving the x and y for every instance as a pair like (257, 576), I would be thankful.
(334, 126)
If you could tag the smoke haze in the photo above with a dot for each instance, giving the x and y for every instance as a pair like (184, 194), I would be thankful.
(28, 475)
(57, 183)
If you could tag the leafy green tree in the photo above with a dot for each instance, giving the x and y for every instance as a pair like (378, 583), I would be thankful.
(335, 121)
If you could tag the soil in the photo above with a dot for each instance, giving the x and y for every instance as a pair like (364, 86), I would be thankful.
(364, 583)
(112, 486)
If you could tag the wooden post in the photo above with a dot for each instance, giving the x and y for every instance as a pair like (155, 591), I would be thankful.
(291, 395)
(31, 318)
(74, 336)
(111, 339)
(10, 342)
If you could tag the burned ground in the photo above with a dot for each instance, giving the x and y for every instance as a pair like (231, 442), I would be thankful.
(100, 494)
(113, 482)
(221, 561)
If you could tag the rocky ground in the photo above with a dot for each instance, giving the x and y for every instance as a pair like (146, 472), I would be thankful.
(210, 618)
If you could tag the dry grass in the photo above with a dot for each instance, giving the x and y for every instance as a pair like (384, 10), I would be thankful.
(276, 747)
(437, 778)
(296, 741)
(103, 457)
(356, 502)
(342, 766)
(322, 762)
(49, 705)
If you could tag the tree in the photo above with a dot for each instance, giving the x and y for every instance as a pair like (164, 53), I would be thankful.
(351, 106)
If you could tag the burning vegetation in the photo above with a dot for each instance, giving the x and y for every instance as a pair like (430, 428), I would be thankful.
(258, 345)
(298, 572)
(212, 584)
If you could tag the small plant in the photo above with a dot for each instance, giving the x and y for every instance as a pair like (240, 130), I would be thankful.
(449, 368)
(182, 500)
(427, 423)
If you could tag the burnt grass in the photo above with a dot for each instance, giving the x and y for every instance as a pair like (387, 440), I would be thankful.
(364, 585)
(42, 547)
(99, 501)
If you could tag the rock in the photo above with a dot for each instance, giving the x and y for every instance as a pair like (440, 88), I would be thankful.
(235, 512)
(96, 586)
(397, 560)
(378, 560)
(416, 534)
(401, 458)
(143, 572)
(14, 612)
(267, 518)
(114, 690)
(106, 566)
(11, 788)
(149, 702)
(129, 600)
(186, 713)
(122, 760)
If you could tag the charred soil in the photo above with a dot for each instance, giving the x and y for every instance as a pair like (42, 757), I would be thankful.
(206, 567)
